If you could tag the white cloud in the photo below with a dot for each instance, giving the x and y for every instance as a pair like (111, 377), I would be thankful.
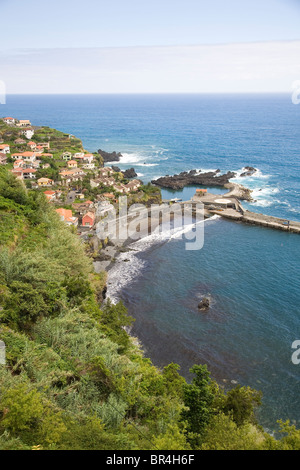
(246, 67)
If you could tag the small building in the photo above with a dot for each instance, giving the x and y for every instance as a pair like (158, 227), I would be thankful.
(110, 196)
(31, 145)
(66, 216)
(3, 159)
(133, 185)
(28, 173)
(28, 132)
(104, 172)
(66, 156)
(39, 149)
(50, 195)
(26, 156)
(72, 164)
(19, 164)
(20, 142)
(88, 157)
(201, 192)
(45, 145)
(9, 120)
(45, 182)
(88, 219)
(4, 148)
(89, 166)
(23, 123)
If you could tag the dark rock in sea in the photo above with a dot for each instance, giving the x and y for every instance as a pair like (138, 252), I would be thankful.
(110, 157)
(115, 168)
(130, 173)
(204, 304)
(211, 178)
(249, 171)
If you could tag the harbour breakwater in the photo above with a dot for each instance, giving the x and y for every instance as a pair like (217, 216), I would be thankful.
(227, 205)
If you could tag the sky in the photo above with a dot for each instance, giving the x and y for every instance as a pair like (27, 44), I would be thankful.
(138, 46)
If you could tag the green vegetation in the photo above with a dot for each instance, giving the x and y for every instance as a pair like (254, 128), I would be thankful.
(73, 378)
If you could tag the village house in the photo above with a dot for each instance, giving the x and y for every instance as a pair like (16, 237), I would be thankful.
(108, 181)
(3, 159)
(78, 155)
(31, 145)
(50, 195)
(72, 164)
(89, 166)
(133, 185)
(104, 172)
(19, 164)
(39, 149)
(82, 208)
(45, 145)
(28, 173)
(45, 182)
(20, 142)
(45, 165)
(71, 176)
(66, 156)
(4, 148)
(66, 216)
(36, 164)
(88, 157)
(9, 120)
(121, 188)
(26, 156)
(110, 196)
(17, 172)
(23, 123)
(28, 132)
(88, 219)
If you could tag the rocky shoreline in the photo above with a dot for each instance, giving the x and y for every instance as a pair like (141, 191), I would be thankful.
(210, 179)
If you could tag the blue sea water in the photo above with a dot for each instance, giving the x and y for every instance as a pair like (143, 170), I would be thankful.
(250, 273)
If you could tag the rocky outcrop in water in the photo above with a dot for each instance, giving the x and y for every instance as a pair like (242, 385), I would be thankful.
(248, 171)
(204, 304)
(109, 157)
(129, 173)
(193, 177)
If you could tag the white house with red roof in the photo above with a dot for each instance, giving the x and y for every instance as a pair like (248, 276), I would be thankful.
(28, 132)
(9, 120)
(31, 145)
(66, 216)
(26, 156)
(4, 148)
(50, 195)
(28, 173)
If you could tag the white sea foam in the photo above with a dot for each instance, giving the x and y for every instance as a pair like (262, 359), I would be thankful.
(257, 175)
(132, 158)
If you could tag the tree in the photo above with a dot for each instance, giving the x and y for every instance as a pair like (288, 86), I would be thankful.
(240, 403)
(198, 399)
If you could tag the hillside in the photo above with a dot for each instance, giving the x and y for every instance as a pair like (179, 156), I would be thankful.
(73, 378)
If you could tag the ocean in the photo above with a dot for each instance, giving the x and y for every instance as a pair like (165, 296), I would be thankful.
(251, 274)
